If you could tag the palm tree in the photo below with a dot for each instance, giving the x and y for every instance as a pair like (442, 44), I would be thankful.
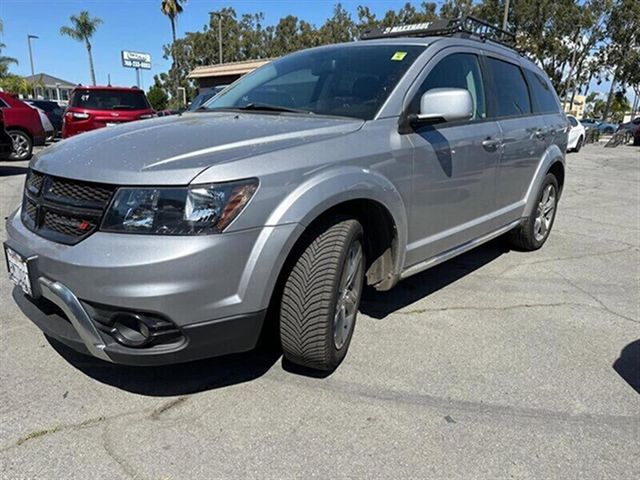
(5, 61)
(173, 8)
(82, 30)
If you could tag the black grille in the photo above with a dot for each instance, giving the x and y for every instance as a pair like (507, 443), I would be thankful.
(80, 192)
(34, 181)
(30, 210)
(63, 210)
(66, 225)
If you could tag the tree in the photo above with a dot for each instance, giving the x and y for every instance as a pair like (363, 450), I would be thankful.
(82, 29)
(157, 98)
(4, 60)
(623, 49)
(14, 84)
(173, 8)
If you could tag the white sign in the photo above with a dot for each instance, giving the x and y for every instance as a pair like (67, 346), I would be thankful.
(136, 60)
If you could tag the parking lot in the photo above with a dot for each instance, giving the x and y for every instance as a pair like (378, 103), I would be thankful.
(497, 364)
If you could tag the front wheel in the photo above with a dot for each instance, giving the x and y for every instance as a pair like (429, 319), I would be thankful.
(533, 233)
(22, 145)
(321, 294)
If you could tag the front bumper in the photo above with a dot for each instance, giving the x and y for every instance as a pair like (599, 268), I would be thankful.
(75, 329)
(213, 289)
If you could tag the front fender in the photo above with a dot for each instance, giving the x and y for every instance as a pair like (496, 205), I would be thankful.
(341, 184)
(552, 155)
(297, 210)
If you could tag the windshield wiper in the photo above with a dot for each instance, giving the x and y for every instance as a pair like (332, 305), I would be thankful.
(271, 108)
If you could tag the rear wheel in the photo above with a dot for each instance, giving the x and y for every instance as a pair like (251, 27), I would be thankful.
(22, 145)
(321, 294)
(532, 234)
(578, 145)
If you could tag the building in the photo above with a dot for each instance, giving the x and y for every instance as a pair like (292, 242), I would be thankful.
(577, 110)
(209, 76)
(48, 87)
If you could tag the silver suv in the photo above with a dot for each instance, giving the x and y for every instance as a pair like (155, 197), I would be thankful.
(169, 240)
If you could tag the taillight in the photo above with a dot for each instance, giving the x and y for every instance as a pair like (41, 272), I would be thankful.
(76, 115)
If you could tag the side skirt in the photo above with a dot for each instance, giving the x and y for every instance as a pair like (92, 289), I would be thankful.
(454, 252)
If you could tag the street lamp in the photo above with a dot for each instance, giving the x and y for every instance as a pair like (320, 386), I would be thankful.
(29, 37)
(219, 15)
(505, 18)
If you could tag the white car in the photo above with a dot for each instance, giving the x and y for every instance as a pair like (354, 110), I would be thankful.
(576, 135)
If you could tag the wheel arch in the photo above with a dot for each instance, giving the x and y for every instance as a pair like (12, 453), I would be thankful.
(552, 161)
(20, 129)
(365, 195)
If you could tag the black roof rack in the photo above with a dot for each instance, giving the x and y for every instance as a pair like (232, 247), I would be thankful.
(467, 27)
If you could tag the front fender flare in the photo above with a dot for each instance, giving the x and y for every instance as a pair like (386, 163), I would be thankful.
(301, 207)
(332, 187)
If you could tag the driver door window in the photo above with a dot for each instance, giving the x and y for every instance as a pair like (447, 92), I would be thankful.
(460, 70)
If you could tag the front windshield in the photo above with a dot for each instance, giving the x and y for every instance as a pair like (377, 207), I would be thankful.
(200, 100)
(349, 81)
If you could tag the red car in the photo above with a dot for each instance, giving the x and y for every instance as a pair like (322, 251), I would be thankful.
(97, 107)
(23, 125)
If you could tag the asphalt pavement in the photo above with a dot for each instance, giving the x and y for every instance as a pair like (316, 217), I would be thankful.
(497, 364)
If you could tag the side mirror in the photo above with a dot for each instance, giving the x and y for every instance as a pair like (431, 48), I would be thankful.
(444, 104)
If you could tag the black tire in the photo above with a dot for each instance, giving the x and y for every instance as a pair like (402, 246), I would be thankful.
(578, 145)
(525, 237)
(312, 290)
(26, 145)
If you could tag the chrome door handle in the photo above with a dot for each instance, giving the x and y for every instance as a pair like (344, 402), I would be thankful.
(541, 134)
(491, 144)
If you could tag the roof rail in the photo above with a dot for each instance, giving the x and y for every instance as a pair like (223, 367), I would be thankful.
(466, 27)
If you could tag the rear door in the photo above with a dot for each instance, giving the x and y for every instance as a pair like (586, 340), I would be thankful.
(454, 162)
(524, 138)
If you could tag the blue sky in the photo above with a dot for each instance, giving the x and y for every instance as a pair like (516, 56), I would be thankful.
(131, 25)
(137, 25)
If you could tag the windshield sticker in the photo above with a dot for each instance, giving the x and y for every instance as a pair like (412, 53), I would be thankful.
(398, 56)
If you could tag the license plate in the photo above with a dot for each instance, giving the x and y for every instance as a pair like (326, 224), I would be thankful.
(111, 124)
(18, 270)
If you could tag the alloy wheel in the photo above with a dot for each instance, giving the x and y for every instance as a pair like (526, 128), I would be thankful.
(20, 145)
(349, 291)
(544, 213)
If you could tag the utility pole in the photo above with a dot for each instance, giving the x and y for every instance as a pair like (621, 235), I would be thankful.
(29, 37)
(506, 15)
(219, 15)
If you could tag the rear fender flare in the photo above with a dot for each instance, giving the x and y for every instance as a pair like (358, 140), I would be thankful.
(552, 155)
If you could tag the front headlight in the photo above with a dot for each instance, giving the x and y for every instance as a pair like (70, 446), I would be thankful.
(195, 210)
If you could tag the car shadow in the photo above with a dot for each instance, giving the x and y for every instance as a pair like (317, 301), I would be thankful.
(178, 379)
(218, 372)
(380, 304)
(11, 171)
(628, 365)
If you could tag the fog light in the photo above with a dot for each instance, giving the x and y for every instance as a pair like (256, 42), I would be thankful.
(129, 329)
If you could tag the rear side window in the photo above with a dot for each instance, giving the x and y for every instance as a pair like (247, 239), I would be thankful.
(109, 100)
(460, 70)
(512, 95)
(544, 100)
(573, 121)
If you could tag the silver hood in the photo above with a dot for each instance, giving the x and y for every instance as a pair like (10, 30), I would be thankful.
(174, 150)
